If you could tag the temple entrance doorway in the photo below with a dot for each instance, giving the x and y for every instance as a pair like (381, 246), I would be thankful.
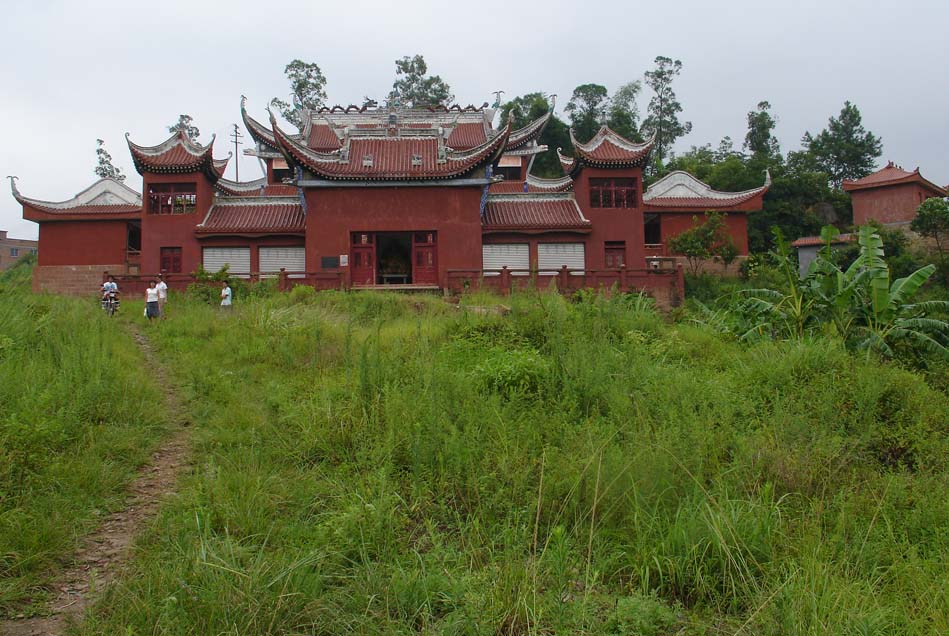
(394, 256)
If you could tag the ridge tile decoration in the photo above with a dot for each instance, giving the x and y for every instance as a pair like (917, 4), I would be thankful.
(107, 197)
(256, 187)
(376, 157)
(680, 190)
(607, 149)
(177, 155)
(254, 216)
(534, 211)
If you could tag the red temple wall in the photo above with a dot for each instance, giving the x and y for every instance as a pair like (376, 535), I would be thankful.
(613, 224)
(452, 212)
(82, 243)
(674, 223)
(892, 204)
(174, 230)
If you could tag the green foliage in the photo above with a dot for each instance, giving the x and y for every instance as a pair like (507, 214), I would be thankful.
(845, 149)
(307, 91)
(185, 124)
(104, 167)
(587, 109)
(78, 414)
(528, 108)
(705, 241)
(932, 221)
(760, 138)
(414, 89)
(369, 462)
(622, 115)
(860, 303)
(664, 108)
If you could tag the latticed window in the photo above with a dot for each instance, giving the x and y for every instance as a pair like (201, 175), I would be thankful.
(172, 198)
(613, 193)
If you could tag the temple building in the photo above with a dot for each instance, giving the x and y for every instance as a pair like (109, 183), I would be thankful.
(890, 195)
(431, 198)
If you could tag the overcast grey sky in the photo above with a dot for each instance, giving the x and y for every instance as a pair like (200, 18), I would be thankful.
(76, 71)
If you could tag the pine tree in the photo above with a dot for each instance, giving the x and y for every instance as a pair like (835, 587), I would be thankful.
(664, 108)
(104, 168)
(307, 91)
(845, 149)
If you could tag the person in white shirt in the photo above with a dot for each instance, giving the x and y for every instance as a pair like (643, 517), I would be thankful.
(162, 288)
(109, 286)
(225, 295)
(151, 301)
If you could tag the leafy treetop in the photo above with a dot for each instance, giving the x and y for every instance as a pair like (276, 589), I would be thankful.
(663, 112)
(104, 167)
(413, 88)
(845, 149)
(760, 138)
(184, 123)
(307, 91)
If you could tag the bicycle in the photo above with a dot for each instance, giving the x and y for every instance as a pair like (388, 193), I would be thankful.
(110, 303)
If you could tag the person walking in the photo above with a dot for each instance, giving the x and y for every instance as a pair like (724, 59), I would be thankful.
(226, 295)
(162, 288)
(151, 301)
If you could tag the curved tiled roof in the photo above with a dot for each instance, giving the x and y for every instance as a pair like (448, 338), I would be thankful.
(254, 215)
(258, 132)
(533, 184)
(255, 187)
(530, 132)
(467, 135)
(534, 211)
(608, 149)
(105, 197)
(680, 190)
(322, 138)
(390, 158)
(891, 174)
(176, 155)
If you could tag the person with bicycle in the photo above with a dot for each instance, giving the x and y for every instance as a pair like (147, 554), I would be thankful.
(110, 295)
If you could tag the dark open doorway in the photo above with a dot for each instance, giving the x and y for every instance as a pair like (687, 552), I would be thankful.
(394, 256)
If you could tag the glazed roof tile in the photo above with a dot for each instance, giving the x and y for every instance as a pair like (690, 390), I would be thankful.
(891, 174)
(533, 211)
(681, 190)
(322, 138)
(254, 215)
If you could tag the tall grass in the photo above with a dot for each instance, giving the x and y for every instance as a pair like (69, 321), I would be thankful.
(381, 464)
(77, 415)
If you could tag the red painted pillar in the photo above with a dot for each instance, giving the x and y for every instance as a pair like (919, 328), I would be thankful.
(505, 280)
(562, 278)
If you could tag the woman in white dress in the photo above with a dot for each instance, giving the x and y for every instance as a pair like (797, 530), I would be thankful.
(151, 301)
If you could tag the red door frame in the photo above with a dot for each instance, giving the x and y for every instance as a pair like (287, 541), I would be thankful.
(362, 265)
(424, 258)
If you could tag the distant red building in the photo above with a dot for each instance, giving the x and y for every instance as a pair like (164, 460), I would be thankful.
(890, 196)
(430, 198)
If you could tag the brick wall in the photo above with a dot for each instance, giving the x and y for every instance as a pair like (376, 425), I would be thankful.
(71, 280)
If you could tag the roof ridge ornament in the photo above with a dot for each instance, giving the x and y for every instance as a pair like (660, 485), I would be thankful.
(13, 179)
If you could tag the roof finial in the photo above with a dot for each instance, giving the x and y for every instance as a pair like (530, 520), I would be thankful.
(13, 178)
(243, 103)
(553, 101)
(767, 177)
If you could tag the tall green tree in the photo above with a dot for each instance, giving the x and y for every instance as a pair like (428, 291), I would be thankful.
(414, 88)
(760, 140)
(623, 113)
(104, 167)
(845, 149)
(185, 123)
(528, 108)
(663, 112)
(307, 91)
(587, 109)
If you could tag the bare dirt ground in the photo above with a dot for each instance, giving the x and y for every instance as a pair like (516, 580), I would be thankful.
(103, 552)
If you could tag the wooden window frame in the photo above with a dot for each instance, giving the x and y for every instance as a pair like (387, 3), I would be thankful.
(172, 198)
(614, 193)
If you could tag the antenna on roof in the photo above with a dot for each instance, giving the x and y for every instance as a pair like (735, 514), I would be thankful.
(236, 136)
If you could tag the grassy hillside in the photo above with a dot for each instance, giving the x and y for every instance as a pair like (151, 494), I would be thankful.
(381, 464)
(77, 415)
